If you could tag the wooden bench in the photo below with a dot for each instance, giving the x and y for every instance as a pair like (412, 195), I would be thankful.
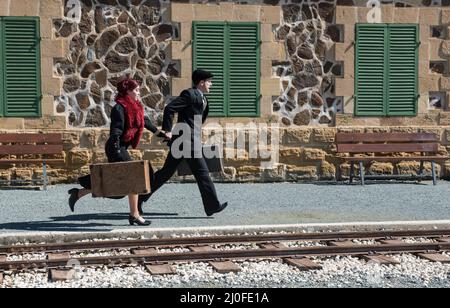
(31, 149)
(375, 147)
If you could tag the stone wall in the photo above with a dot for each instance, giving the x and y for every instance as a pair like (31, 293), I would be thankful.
(306, 154)
(305, 65)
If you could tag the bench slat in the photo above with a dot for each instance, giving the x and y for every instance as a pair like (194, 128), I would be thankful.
(30, 149)
(396, 159)
(386, 148)
(385, 137)
(31, 138)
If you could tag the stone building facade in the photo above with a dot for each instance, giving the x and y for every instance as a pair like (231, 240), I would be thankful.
(307, 77)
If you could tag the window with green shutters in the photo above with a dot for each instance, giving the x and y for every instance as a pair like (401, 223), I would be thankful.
(20, 85)
(386, 69)
(231, 51)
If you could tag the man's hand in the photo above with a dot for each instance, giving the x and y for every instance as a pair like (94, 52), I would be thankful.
(168, 136)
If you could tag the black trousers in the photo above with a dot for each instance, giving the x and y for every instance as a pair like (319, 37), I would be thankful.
(201, 173)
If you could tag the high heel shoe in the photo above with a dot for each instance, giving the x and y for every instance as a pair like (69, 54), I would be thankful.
(133, 220)
(73, 198)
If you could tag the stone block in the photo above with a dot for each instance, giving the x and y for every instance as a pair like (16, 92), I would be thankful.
(272, 50)
(349, 33)
(4, 7)
(48, 104)
(349, 68)
(406, 15)
(424, 68)
(182, 12)
(429, 16)
(436, 49)
(323, 136)
(311, 154)
(387, 13)
(445, 49)
(291, 156)
(270, 14)
(266, 68)
(156, 157)
(186, 31)
(424, 52)
(180, 84)
(181, 50)
(267, 34)
(270, 86)
(346, 14)
(12, 123)
(381, 168)
(307, 173)
(48, 122)
(80, 157)
(445, 18)
(207, 12)
(46, 28)
(363, 15)
(344, 86)
(24, 8)
(327, 171)
(429, 84)
(445, 83)
(51, 8)
(424, 34)
(227, 10)
(344, 51)
(296, 136)
(47, 67)
(246, 13)
(186, 68)
(52, 48)
(51, 86)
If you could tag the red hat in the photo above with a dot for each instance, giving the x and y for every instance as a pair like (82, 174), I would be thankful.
(128, 84)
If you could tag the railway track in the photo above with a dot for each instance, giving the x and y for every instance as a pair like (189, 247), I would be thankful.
(296, 249)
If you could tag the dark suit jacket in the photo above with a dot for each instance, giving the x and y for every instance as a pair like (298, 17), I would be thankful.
(187, 105)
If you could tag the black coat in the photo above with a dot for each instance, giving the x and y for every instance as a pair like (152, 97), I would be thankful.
(187, 105)
(116, 148)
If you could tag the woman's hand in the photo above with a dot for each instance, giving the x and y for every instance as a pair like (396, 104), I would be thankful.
(168, 136)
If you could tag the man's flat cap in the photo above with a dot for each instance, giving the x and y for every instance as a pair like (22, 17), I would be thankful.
(199, 75)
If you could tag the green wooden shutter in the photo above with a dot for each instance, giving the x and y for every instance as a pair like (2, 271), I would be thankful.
(231, 51)
(21, 86)
(244, 70)
(402, 77)
(370, 75)
(209, 52)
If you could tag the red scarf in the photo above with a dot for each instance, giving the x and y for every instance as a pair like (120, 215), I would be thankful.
(134, 120)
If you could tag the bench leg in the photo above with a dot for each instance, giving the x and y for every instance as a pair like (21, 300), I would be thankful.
(352, 170)
(44, 175)
(433, 172)
(361, 172)
(421, 171)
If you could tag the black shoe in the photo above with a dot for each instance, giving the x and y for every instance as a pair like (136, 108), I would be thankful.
(133, 220)
(222, 207)
(73, 198)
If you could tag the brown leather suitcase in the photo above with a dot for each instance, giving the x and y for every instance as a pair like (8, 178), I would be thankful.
(120, 179)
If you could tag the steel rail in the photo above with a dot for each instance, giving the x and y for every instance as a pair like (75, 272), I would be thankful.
(227, 255)
(262, 238)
